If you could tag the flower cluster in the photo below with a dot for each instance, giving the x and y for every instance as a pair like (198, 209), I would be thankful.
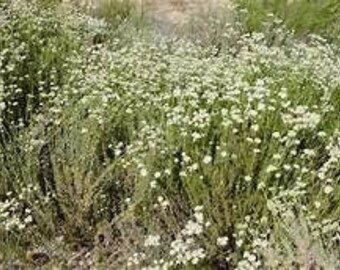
(146, 128)
(15, 214)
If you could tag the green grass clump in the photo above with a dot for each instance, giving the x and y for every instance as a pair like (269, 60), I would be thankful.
(118, 13)
(302, 16)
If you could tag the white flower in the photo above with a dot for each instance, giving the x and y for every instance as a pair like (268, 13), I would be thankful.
(222, 241)
(317, 204)
(199, 217)
(255, 127)
(257, 140)
(328, 189)
(223, 154)
(143, 172)
(84, 130)
(153, 184)
(252, 258)
(256, 150)
(165, 204)
(329, 180)
(239, 243)
(118, 152)
(250, 140)
(195, 260)
(183, 174)
(247, 178)
(198, 208)
(277, 156)
(157, 175)
(196, 136)
(207, 159)
(28, 219)
(152, 241)
(291, 133)
(128, 200)
(193, 167)
(186, 158)
(2, 106)
(271, 168)
(276, 135)
(261, 185)
(287, 167)
(193, 228)
(322, 134)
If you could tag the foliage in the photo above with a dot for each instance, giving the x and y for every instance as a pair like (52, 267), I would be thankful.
(302, 16)
(157, 152)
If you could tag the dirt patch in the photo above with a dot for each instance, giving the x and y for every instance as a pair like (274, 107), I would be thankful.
(178, 12)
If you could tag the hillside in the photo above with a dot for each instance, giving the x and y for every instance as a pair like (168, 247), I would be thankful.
(213, 144)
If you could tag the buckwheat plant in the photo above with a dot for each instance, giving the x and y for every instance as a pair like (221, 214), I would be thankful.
(203, 152)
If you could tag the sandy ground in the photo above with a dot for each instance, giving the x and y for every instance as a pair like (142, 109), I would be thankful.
(180, 11)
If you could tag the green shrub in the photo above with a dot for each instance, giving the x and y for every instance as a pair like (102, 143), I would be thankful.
(40, 51)
(36, 47)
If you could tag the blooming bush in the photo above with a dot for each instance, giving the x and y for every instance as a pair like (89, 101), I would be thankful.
(191, 155)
